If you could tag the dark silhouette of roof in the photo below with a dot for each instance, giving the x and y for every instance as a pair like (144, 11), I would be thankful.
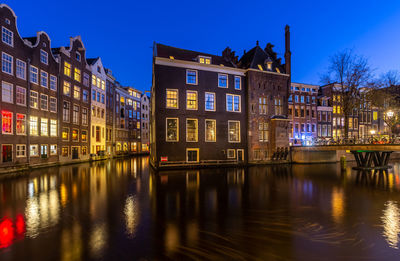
(32, 40)
(188, 55)
(258, 56)
(92, 61)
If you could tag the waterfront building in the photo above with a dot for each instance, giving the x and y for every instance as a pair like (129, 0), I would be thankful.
(127, 120)
(303, 113)
(145, 122)
(29, 131)
(198, 112)
(324, 117)
(98, 107)
(110, 113)
(267, 84)
(74, 102)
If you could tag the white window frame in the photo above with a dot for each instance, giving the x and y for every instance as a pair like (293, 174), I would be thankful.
(197, 100)
(12, 124)
(53, 134)
(16, 95)
(215, 101)
(12, 92)
(30, 99)
(230, 150)
(37, 150)
(229, 121)
(197, 129)
(166, 129)
(47, 103)
(240, 82)
(16, 120)
(227, 80)
(44, 74)
(53, 79)
(50, 102)
(56, 149)
(205, 130)
(197, 76)
(24, 69)
(177, 99)
(12, 36)
(37, 74)
(233, 103)
(46, 133)
(44, 54)
(16, 150)
(12, 63)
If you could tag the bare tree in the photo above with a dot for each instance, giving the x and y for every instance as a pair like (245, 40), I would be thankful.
(350, 72)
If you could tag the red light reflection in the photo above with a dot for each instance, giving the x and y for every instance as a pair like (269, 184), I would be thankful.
(6, 233)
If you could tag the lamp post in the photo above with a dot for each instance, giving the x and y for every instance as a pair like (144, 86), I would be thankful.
(389, 118)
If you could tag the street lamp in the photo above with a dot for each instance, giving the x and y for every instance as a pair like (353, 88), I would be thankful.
(390, 114)
(372, 132)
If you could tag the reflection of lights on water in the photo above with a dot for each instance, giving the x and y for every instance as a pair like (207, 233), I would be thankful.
(391, 223)
(6, 233)
(32, 217)
(131, 215)
(98, 240)
(171, 237)
(391, 180)
(31, 190)
(54, 207)
(337, 205)
(71, 243)
(44, 211)
(64, 195)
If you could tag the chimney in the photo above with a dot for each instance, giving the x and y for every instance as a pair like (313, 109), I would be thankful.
(288, 54)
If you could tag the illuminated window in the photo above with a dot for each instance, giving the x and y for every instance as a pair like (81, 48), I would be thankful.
(34, 101)
(7, 122)
(277, 70)
(172, 99)
(94, 81)
(7, 63)
(375, 115)
(64, 151)
(269, 66)
(172, 129)
(211, 129)
(223, 80)
(98, 82)
(210, 101)
(33, 126)
(34, 150)
(43, 151)
(262, 105)
(53, 128)
(21, 124)
(77, 75)
(65, 134)
(138, 125)
(171, 57)
(191, 100)
(53, 149)
(77, 92)
(234, 131)
(238, 83)
(67, 69)
(7, 36)
(84, 136)
(7, 91)
(260, 67)
(191, 130)
(191, 77)
(204, 60)
(263, 131)
(44, 129)
(103, 85)
(233, 103)
(67, 88)
(75, 135)
(84, 150)
(44, 57)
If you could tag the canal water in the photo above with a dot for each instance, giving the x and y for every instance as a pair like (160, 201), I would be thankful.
(121, 210)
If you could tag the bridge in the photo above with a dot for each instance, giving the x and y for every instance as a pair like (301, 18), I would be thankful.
(332, 153)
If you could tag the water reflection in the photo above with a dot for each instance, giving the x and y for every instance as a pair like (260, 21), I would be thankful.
(121, 209)
(391, 223)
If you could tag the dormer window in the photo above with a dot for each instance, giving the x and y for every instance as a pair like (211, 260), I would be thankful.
(260, 67)
(78, 56)
(204, 60)
(277, 70)
(171, 57)
(98, 69)
(269, 66)
(8, 21)
(44, 57)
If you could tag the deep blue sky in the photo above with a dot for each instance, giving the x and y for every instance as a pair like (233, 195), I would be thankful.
(122, 32)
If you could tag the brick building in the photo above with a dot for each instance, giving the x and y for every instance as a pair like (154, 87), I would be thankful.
(145, 122)
(29, 133)
(303, 113)
(74, 100)
(324, 117)
(198, 111)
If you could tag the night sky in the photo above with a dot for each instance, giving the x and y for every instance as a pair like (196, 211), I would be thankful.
(122, 32)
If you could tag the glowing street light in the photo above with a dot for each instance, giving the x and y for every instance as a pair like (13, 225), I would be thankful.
(372, 132)
(390, 114)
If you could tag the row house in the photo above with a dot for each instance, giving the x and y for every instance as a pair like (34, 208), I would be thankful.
(110, 112)
(145, 123)
(302, 108)
(74, 100)
(218, 109)
(98, 107)
(127, 120)
(29, 96)
(324, 117)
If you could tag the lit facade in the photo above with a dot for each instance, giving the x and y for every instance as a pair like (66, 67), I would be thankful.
(145, 123)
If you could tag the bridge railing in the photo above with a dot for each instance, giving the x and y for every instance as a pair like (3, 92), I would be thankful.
(356, 141)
